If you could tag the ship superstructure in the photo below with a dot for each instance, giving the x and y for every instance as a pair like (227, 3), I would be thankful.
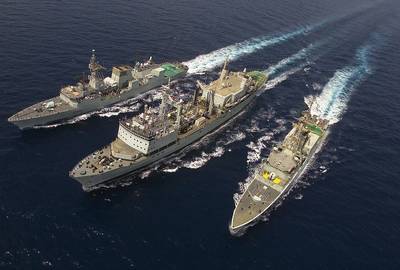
(284, 165)
(95, 92)
(175, 124)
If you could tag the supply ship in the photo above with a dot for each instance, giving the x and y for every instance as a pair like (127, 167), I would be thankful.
(175, 124)
(96, 92)
(277, 174)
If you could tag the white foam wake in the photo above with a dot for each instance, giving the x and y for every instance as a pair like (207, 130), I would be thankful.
(286, 67)
(116, 110)
(332, 102)
(256, 147)
(282, 77)
(209, 61)
(199, 161)
(297, 60)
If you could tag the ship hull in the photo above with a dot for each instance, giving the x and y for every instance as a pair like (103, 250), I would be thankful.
(88, 182)
(297, 174)
(85, 106)
(30, 123)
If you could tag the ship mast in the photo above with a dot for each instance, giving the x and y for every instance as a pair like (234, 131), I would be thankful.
(96, 76)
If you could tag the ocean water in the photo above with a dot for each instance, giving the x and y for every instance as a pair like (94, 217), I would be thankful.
(343, 214)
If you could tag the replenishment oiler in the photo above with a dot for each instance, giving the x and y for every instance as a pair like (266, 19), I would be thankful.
(96, 92)
(175, 124)
(277, 174)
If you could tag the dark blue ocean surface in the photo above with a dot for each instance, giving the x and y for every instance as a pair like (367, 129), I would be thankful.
(343, 214)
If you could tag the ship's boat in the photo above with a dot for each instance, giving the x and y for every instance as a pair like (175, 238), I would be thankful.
(161, 131)
(96, 92)
(277, 174)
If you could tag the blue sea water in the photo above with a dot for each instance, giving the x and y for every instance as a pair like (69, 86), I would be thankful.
(343, 214)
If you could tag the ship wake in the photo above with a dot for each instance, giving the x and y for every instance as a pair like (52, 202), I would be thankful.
(331, 103)
(298, 60)
(214, 59)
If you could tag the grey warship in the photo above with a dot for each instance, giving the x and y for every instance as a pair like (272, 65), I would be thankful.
(96, 92)
(277, 174)
(175, 124)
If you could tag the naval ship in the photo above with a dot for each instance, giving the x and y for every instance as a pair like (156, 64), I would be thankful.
(277, 174)
(96, 92)
(161, 131)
